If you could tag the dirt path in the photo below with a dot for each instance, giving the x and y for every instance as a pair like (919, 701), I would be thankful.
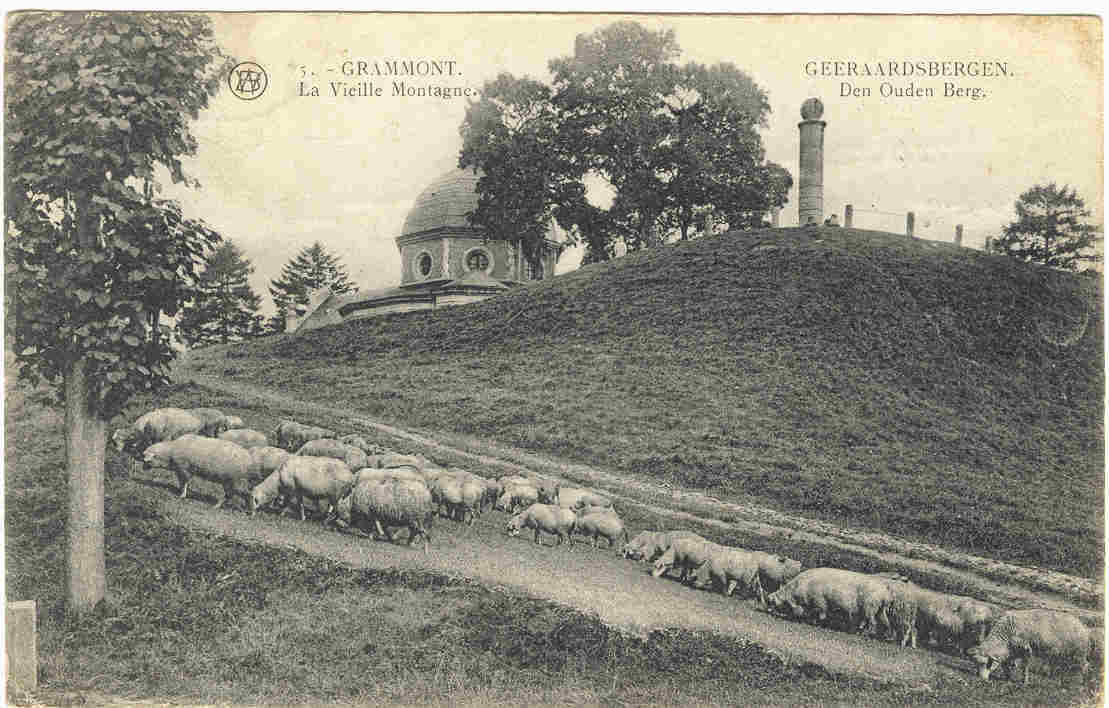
(621, 592)
(1004, 583)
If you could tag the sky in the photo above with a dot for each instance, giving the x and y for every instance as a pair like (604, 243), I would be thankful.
(284, 170)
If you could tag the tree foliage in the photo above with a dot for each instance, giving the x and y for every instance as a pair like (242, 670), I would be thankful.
(675, 143)
(225, 307)
(1050, 228)
(311, 269)
(94, 101)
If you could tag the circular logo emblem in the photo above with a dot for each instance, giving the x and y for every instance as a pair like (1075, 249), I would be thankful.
(248, 80)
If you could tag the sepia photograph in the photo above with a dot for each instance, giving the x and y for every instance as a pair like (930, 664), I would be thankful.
(553, 359)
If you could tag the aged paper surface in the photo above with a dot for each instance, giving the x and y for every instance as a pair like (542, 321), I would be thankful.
(330, 126)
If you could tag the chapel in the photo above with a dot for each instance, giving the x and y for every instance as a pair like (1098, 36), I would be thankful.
(444, 261)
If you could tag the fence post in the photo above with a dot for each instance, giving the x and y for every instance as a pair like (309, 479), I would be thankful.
(959, 235)
(910, 220)
(848, 216)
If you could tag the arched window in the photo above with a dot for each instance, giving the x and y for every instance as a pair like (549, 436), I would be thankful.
(477, 259)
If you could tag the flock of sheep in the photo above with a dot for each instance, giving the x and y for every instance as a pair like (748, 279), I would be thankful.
(369, 489)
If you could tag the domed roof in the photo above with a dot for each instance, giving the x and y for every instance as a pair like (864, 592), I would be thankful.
(445, 203)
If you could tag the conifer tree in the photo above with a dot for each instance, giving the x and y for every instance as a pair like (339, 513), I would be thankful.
(313, 268)
(225, 308)
(1051, 229)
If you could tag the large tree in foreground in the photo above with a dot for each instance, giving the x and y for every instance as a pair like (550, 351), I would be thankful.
(225, 307)
(1051, 229)
(314, 267)
(94, 101)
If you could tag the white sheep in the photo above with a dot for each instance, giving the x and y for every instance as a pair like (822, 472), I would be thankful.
(158, 425)
(318, 478)
(601, 523)
(215, 460)
(389, 502)
(213, 420)
(244, 437)
(292, 435)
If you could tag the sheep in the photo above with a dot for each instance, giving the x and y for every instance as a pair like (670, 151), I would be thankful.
(822, 592)
(1057, 637)
(603, 523)
(409, 473)
(775, 571)
(318, 478)
(518, 496)
(458, 494)
(686, 554)
(649, 548)
(570, 497)
(362, 444)
(218, 461)
(158, 425)
(292, 435)
(244, 437)
(545, 517)
(730, 568)
(213, 421)
(389, 502)
(978, 618)
(266, 460)
(354, 458)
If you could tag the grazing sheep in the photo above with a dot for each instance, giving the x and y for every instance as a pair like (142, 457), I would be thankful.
(218, 461)
(685, 554)
(265, 460)
(603, 523)
(775, 571)
(244, 437)
(518, 496)
(362, 444)
(1056, 637)
(371, 473)
(318, 478)
(544, 517)
(213, 421)
(729, 568)
(327, 447)
(650, 548)
(292, 435)
(823, 592)
(388, 503)
(158, 425)
(571, 497)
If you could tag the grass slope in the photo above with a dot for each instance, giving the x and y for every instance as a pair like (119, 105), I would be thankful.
(198, 618)
(917, 388)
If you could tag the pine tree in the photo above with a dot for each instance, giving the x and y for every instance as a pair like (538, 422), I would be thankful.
(1050, 229)
(313, 268)
(225, 308)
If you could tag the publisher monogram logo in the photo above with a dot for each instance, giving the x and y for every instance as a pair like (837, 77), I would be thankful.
(248, 80)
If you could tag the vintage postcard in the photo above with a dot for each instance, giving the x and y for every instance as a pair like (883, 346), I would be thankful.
(554, 358)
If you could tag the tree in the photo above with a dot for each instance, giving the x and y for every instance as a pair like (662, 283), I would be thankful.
(311, 269)
(94, 101)
(1050, 229)
(673, 142)
(225, 307)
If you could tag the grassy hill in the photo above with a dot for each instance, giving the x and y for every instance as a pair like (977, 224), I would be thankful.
(913, 387)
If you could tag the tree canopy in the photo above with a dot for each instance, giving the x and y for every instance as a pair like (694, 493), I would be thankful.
(95, 101)
(225, 306)
(314, 267)
(674, 143)
(1050, 228)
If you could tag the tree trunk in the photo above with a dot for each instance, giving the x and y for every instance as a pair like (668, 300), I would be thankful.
(86, 438)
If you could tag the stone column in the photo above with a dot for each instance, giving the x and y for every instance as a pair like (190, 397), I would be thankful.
(810, 189)
(848, 216)
(959, 235)
(910, 222)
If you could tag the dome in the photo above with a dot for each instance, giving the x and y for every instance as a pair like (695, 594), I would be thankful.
(446, 202)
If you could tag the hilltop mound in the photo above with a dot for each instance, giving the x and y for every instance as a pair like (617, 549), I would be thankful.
(919, 388)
